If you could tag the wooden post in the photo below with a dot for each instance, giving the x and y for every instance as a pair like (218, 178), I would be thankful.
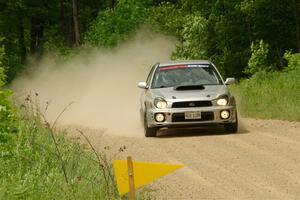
(130, 178)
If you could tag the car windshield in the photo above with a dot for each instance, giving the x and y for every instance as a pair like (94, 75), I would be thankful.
(195, 74)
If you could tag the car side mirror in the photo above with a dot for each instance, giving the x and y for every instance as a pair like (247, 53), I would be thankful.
(142, 85)
(229, 81)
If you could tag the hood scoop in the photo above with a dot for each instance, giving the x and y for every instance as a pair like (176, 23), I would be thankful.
(189, 87)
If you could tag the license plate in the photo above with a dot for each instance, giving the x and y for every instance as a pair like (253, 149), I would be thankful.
(192, 115)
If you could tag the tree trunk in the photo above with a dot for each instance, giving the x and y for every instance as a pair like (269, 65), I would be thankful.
(65, 23)
(297, 18)
(112, 3)
(75, 22)
(36, 34)
(22, 48)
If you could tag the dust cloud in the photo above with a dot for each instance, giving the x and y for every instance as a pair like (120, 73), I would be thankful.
(242, 127)
(102, 84)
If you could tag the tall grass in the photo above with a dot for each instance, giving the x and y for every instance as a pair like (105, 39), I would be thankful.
(39, 162)
(272, 95)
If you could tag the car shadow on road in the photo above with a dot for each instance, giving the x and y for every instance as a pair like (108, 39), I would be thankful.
(196, 131)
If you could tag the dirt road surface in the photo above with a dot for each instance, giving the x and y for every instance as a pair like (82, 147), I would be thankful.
(262, 161)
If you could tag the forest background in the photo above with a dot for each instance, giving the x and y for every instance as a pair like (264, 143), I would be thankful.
(255, 41)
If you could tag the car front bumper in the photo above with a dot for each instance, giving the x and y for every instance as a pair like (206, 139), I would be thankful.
(175, 117)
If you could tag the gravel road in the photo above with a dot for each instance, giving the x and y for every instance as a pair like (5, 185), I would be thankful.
(262, 161)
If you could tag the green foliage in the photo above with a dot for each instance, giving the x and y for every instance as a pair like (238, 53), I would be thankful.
(7, 115)
(39, 162)
(267, 24)
(113, 26)
(191, 29)
(272, 95)
(259, 58)
(293, 61)
(194, 36)
(30, 27)
(203, 33)
(31, 168)
(56, 47)
(167, 18)
(221, 31)
(2, 75)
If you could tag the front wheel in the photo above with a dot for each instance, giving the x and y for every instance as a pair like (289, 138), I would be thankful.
(232, 127)
(149, 132)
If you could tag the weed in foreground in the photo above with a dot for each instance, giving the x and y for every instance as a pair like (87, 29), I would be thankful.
(41, 163)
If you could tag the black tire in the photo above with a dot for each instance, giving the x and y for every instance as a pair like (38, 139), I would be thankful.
(149, 132)
(232, 127)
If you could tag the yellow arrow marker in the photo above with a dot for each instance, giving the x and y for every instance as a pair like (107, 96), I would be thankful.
(143, 173)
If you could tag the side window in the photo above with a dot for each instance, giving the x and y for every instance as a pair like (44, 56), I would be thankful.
(150, 75)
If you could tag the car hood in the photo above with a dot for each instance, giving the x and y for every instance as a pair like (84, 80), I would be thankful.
(209, 92)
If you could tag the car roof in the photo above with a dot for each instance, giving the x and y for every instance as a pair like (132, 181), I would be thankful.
(183, 62)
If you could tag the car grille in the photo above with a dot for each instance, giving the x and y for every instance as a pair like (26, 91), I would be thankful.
(205, 116)
(188, 104)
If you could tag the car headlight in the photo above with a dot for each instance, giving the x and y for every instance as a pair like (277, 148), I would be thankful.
(160, 103)
(222, 101)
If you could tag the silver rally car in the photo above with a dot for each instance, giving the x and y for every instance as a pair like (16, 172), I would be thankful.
(186, 94)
